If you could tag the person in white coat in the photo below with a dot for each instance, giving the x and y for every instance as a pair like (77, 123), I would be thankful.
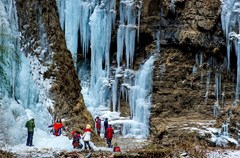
(87, 137)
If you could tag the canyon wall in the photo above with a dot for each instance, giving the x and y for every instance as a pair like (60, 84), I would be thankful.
(40, 27)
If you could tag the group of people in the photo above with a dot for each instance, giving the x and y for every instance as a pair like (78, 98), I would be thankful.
(86, 137)
(108, 130)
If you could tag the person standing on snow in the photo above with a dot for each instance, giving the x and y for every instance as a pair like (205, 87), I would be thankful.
(109, 135)
(30, 125)
(105, 126)
(57, 127)
(98, 125)
(87, 137)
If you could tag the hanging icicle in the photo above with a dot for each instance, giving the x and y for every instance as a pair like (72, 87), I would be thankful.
(127, 31)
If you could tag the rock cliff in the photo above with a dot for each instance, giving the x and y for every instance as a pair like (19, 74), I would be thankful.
(38, 23)
(182, 96)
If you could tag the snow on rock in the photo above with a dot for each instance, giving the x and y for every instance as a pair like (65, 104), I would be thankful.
(218, 136)
(224, 154)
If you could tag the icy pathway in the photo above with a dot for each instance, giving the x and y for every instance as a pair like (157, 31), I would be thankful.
(46, 145)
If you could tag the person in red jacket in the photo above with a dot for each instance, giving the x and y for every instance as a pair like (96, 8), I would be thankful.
(109, 135)
(76, 139)
(98, 125)
(57, 127)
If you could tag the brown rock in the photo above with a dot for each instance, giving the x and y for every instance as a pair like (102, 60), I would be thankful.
(65, 92)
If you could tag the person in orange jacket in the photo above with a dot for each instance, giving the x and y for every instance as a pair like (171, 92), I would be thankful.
(57, 127)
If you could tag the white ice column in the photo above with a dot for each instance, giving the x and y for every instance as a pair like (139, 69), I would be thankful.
(127, 31)
(61, 4)
(101, 30)
(120, 43)
(140, 95)
(139, 5)
(207, 85)
(238, 70)
(115, 93)
(216, 105)
(229, 18)
(236, 38)
(225, 129)
(74, 19)
(230, 25)
(172, 6)
(158, 48)
(9, 47)
(86, 9)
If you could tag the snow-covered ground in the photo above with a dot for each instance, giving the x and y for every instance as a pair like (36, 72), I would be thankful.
(224, 154)
(47, 145)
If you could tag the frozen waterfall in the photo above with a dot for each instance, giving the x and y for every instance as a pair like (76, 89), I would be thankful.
(91, 22)
(75, 21)
(126, 32)
(24, 93)
(140, 96)
(8, 46)
(101, 28)
(231, 27)
(136, 88)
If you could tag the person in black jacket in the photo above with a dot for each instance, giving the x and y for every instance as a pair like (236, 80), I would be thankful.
(105, 125)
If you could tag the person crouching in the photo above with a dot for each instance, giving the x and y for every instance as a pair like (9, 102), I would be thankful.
(76, 139)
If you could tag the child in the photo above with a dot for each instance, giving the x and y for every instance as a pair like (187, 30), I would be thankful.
(87, 137)
(76, 139)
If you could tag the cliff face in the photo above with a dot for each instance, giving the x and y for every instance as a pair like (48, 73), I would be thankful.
(39, 27)
(189, 30)
(184, 23)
